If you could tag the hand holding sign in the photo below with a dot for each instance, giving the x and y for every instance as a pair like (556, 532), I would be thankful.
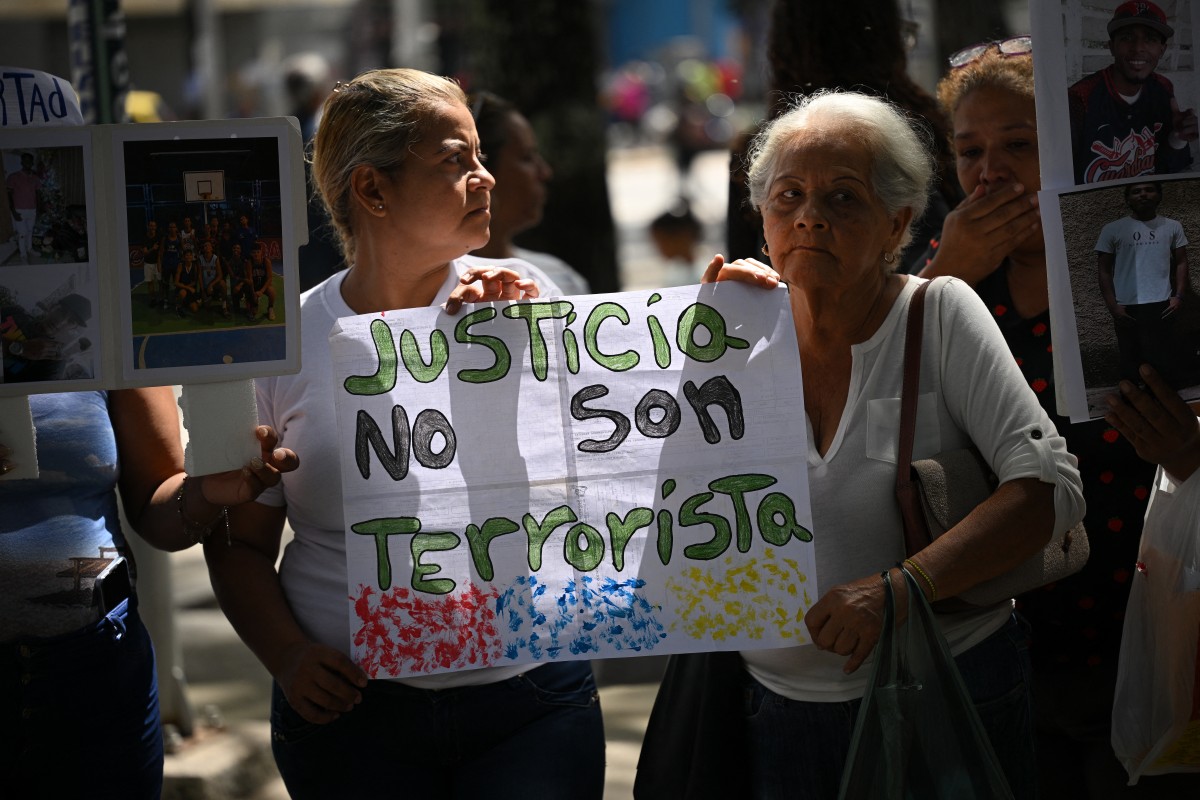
(746, 270)
(320, 683)
(1158, 424)
(245, 484)
(482, 285)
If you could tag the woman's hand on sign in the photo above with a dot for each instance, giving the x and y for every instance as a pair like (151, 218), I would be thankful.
(263, 471)
(848, 619)
(1158, 423)
(484, 284)
(319, 682)
(746, 270)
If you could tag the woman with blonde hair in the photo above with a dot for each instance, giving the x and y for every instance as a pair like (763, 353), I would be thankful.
(397, 163)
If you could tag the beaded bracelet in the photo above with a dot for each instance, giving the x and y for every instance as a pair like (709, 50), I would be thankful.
(933, 592)
(200, 532)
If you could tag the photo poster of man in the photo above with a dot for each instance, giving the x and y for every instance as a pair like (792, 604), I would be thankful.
(1116, 96)
(212, 218)
(50, 309)
(1122, 291)
(1117, 90)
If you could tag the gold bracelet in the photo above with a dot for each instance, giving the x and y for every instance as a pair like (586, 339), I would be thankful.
(199, 532)
(933, 592)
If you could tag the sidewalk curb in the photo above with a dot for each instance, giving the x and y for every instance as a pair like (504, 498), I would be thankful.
(234, 762)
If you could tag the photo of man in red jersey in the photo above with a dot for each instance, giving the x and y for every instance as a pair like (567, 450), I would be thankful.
(1125, 121)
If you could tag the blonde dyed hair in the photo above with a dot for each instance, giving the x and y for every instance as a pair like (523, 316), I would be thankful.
(991, 70)
(373, 120)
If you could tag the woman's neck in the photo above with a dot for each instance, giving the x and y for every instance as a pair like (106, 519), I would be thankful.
(828, 316)
(377, 284)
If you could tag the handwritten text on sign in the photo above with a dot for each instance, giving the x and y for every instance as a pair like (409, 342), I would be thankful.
(573, 478)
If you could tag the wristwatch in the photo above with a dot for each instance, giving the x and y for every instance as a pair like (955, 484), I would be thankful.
(16, 348)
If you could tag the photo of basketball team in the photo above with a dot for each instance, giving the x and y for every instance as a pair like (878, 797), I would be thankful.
(204, 226)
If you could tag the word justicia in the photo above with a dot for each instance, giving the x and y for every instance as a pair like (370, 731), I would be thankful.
(700, 334)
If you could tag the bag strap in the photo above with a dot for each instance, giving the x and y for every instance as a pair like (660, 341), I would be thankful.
(916, 532)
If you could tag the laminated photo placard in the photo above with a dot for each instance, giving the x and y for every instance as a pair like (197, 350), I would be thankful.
(141, 255)
(1117, 94)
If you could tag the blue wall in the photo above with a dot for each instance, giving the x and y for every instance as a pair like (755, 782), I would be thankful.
(637, 29)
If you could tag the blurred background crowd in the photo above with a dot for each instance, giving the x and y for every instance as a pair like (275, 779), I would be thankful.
(606, 84)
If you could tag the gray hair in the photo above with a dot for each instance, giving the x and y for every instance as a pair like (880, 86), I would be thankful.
(902, 164)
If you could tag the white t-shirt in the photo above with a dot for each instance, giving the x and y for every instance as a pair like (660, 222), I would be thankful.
(300, 407)
(1142, 269)
(971, 391)
(560, 272)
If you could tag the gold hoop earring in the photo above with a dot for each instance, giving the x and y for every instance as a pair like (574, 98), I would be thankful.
(764, 251)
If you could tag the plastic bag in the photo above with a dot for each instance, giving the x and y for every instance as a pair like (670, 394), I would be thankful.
(918, 735)
(1156, 708)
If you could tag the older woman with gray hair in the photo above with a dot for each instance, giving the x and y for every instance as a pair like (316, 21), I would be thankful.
(839, 179)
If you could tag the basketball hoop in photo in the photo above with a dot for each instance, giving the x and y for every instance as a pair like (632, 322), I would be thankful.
(204, 187)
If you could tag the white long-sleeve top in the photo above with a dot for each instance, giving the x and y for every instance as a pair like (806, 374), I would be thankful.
(971, 392)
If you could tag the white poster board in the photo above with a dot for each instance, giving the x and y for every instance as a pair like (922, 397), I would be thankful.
(598, 476)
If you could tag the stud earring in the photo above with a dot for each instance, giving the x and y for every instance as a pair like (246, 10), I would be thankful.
(380, 206)
(889, 258)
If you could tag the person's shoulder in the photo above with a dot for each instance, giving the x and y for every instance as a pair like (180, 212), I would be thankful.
(1087, 84)
(321, 295)
(952, 294)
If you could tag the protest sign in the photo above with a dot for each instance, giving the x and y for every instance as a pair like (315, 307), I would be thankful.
(581, 477)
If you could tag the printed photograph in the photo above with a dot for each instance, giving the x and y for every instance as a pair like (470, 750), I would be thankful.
(48, 324)
(44, 218)
(1131, 89)
(204, 221)
(1135, 292)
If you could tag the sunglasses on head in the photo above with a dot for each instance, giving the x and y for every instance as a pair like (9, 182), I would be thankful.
(1013, 46)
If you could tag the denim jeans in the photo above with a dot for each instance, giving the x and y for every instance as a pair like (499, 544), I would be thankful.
(79, 713)
(798, 750)
(538, 735)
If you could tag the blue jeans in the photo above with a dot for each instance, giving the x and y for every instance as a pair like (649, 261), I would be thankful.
(537, 735)
(798, 750)
(79, 713)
